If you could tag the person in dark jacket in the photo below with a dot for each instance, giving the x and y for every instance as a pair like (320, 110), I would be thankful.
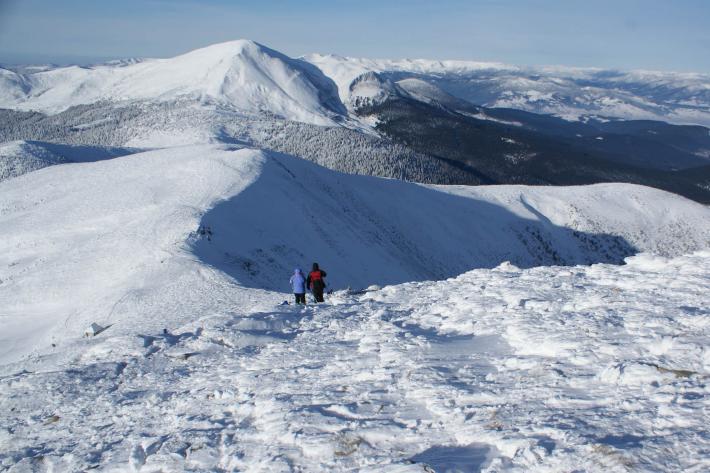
(316, 282)
(298, 283)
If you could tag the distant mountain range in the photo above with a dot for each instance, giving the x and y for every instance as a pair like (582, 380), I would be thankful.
(429, 121)
(567, 92)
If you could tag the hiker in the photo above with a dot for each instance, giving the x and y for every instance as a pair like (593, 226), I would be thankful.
(298, 283)
(316, 283)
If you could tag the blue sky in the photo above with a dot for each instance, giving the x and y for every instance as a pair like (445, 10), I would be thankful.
(625, 34)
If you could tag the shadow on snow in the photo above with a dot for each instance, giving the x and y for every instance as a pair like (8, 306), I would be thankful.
(364, 230)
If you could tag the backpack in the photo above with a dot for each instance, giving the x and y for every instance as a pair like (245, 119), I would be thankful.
(316, 278)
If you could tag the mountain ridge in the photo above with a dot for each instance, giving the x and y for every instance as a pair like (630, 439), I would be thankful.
(227, 91)
(568, 92)
(241, 73)
(121, 238)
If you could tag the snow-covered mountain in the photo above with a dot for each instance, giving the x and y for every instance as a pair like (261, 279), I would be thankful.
(380, 116)
(570, 93)
(121, 240)
(142, 316)
(253, 78)
(240, 74)
(181, 258)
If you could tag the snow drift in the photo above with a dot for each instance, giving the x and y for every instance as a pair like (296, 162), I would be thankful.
(123, 241)
(597, 369)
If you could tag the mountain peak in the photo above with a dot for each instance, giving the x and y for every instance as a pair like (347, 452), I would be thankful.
(241, 74)
(231, 48)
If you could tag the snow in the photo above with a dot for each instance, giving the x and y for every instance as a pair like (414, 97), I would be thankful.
(94, 329)
(587, 368)
(142, 323)
(116, 242)
(371, 86)
(251, 78)
(93, 235)
(241, 74)
(568, 92)
(431, 94)
(597, 368)
(198, 366)
(20, 157)
(344, 70)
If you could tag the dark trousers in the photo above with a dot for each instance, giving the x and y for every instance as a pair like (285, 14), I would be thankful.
(318, 292)
(300, 298)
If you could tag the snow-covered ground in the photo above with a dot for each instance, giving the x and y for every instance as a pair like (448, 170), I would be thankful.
(590, 368)
(183, 256)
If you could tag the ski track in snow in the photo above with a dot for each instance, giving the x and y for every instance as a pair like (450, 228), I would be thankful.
(585, 368)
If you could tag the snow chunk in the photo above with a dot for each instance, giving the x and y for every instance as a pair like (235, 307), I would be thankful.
(94, 329)
(634, 374)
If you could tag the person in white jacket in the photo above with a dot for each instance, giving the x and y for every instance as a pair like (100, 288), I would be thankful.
(298, 283)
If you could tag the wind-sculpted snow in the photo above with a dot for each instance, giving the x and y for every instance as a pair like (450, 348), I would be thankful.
(589, 368)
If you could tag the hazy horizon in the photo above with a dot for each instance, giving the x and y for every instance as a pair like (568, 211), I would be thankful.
(625, 35)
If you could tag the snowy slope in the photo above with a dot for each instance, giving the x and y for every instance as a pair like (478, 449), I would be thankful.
(13, 86)
(369, 230)
(184, 254)
(95, 234)
(344, 70)
(117, 241)
(570, 93)
(371, 88)
(20, 157)
(240, 74)
(429, 93)
(597, 369)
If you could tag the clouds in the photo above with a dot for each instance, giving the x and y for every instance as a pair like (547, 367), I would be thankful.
(652, 34)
